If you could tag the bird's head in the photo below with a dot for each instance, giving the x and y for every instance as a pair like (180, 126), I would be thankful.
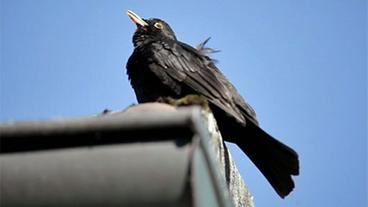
(150, 29)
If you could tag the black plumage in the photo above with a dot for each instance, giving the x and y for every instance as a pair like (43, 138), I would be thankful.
(162, 66)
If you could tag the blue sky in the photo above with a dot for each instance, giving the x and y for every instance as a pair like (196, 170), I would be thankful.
(300, 64)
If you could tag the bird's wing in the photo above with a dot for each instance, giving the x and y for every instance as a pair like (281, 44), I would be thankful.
(240, 103)
(185, 64)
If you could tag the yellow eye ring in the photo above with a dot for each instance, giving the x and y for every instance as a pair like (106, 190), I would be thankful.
(158, 25)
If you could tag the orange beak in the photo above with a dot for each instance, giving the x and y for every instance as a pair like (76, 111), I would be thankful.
(136, 19)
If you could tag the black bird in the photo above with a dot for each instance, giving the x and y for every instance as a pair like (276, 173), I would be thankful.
(161, 66)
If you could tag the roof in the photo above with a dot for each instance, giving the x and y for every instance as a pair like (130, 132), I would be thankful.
(133, 158)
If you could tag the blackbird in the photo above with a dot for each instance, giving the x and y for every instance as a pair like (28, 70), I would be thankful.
(161, 66)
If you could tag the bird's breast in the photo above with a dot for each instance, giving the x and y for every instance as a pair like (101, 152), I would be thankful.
(147, 84)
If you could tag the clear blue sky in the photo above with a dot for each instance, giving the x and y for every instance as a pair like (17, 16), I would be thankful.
(301, 64)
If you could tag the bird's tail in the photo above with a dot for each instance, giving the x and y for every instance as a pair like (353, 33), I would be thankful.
(275, 160)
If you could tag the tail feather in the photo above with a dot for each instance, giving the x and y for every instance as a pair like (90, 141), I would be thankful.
(275, 160)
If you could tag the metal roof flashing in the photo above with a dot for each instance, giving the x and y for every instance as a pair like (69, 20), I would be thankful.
(137, 157)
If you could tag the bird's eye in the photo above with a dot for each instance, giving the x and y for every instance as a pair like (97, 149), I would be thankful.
(158, 25)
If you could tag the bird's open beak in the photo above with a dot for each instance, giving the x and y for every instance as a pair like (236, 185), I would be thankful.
(136, 19)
